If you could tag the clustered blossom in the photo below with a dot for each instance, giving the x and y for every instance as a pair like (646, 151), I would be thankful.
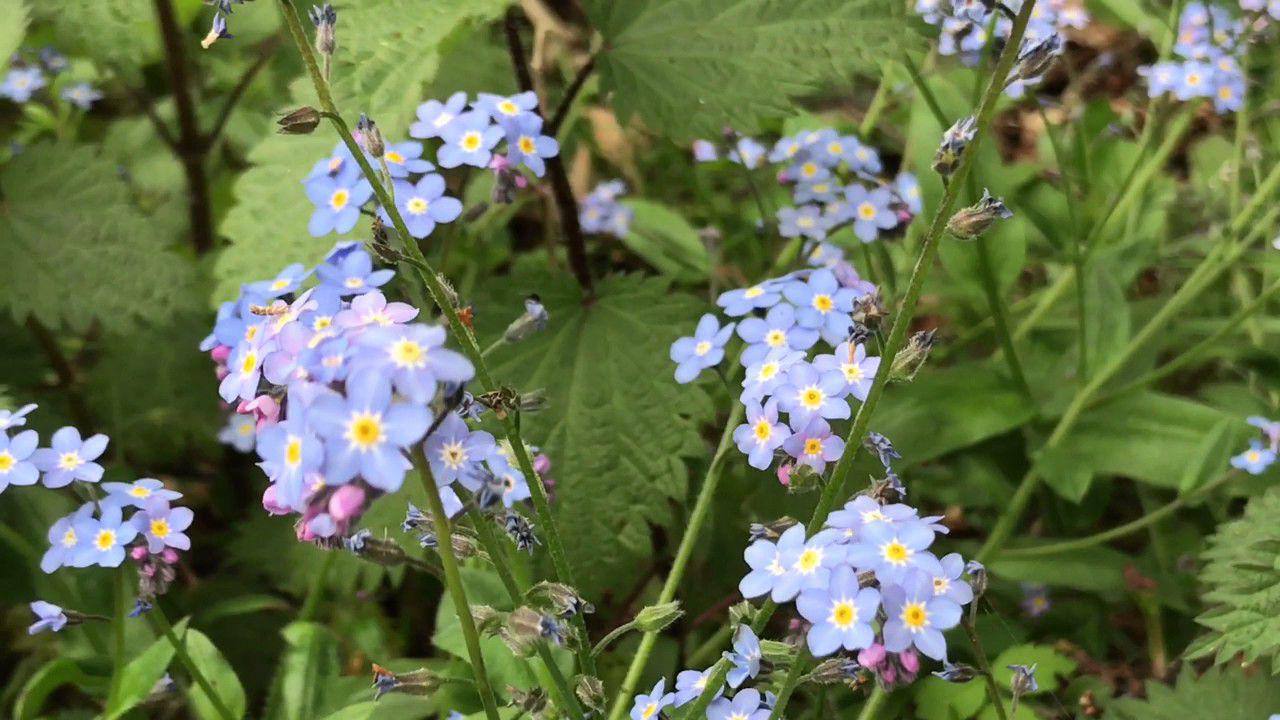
(28, 76)
(601, 213)
(1207, 62)
(1261, 453)
(745, 704)
(967, 27)
(334, 386)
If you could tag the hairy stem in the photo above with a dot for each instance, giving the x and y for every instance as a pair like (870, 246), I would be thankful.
(984, 665)
(180, 651)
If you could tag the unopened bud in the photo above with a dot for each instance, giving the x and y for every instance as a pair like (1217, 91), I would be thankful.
(325, 18)
(531, 702)
(559, 598)
(803, 479)
(911, 358)
(1022, 682)
(869, 310)
(975, 220)
(370, 136)
(526, 627)
(978, 578)
(383, 552)
(488, 620)
(957, 673)
(1034, 58)
(415, 682)
(533, 320)
(833, 671)
(590, 692)
(656, 618)
(777, 652)
(954, 141)
(302, 121)
(771, 530)
(741, 613)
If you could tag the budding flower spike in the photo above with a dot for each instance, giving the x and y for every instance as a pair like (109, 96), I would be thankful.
(976, 219)
(954, 141)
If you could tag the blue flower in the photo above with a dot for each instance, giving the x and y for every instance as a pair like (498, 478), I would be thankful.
(815, 191)
(526, 145)
(851, 361)
(748, 153)
(103, 540)
(761, 434)
(413, 358)
(337, 204)
(807, 170)
(863, 510)
(244, 372)
(340, 166)
(326, 362)
(423, 205)
(353, 273)
(841, 613)
(809, 393)
(948, 583)
(434, 116)
(365, 433)
(1162, 78)
(504, 108)
(776, 330)
(690, 684)
(907, 188)
(286, 281)
(48, 617)
(468, 140)
(404, 158)
(916, 617)
(138, 492)
(20, 83)
(1255, 460)
(871, 211)
(16, 467)
(745, 657)
(163, 526)
(765, 376)
(862, 158)
(64, 541)
(82, 95)
(70, 458)
(455, 451)
(822, 304)
(785, 149)
(649, 706)
(806, 220)
(813, 444)
(704, 151)
(894, 551)
(744, 300)
(765, 559)
(704, 349)
(745, 705)
(1196, 81)
(15, 418)
(290, 452)
(1269, 428)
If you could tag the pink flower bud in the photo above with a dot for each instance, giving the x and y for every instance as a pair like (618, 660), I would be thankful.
(271, 504)
(221, 372)
(910, 660)
(871, 657)
(346, 503)
(139, 553)
(542, 464)
(889, 674)
(220, 354)
(784, 473)
(264, 408)
(170, 556)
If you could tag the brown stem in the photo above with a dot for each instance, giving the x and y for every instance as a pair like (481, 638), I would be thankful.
(568, 208)
(191, 145)
(68, 377)
(562, 110)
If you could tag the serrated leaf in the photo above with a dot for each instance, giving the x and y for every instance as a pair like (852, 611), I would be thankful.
(618, 427)
(122, 33)
(74, 249)
(691, 67)
(13, 25)
(1243, 589)
(1220, 693)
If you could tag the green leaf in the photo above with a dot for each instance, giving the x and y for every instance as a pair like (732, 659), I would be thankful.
(618, 428)
(51, 676)
(139, 677)
(938, 699)
(359, 711)
(1106, 317)
(311, 657)
(1145, 436)
(1243, 588)
(666, 241)
(1051, 666)
(121, 33)
(1229, 693)
(218, 672)
(241, 605)
(691, 67)
(13, 25)
(74, 249)
(1098, 569)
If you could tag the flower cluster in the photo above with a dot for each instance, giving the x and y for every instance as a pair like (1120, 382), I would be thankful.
(1260, 455)
(968, 25)
(836, 183)
(1207, 64)
(601, 213)
(98, 532)
(27, 76)
(744, 704)
(334, 386)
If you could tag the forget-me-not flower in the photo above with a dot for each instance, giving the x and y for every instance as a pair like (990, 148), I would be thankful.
(70, 458)
(704, 349)
(841, 613)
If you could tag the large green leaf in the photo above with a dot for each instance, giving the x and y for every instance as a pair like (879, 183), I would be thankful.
(1243, 589)
(690, 67)
(139, 677)
(1220, 693)
(51, 676)
(74, 249)
(618, 427)
(13, 25)
(310, 658)
(218, 672)
(666, 241)
(121, 33)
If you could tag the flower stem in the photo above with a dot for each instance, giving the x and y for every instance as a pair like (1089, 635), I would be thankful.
(435, 287)
(117, 625)
(874, 704)
(835, 487)
(984, 665)
(611, 636)
(311, 602)
(453, 581)
(180, 651)
(789, 683)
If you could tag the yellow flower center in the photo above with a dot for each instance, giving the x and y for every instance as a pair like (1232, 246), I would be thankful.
(69, 538)
(649, 710)
(525, 143)
(142, 493)
(69, 461)
(394, 157)
(1224, 92)
(767, 371)
(470, 141)
(250, 363)
(406, 353)
(823, 303)
(506, 107)
(867, 211)
(453, 455)
(821, 187)
(775, 338)
(105, 540)
(160, 528)
(322, 322)
(852, 372)
(809, 169)
(702, 348)
(417, 206)
(812, 398)
(280, 284)
(334, 164)
(896, 553)
(752, 293)
(861, 154)
(804, 221)
(812, 446)
(7, 461)
(354, 282)
(835, 148)
(762, 430)
(1253, 456)
(365, 431)
(809, 560)
(251, 332)
(340, 198)
(293, 452)
(914, 616)
(1193, 79)
(843, 614)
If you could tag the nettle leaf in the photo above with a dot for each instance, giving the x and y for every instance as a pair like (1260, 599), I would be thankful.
(381, 70)
(690, 67)
(1220, 693)
(618, 428)
(1243, 594)
(121, 33)
(74, 248)
(13, 25)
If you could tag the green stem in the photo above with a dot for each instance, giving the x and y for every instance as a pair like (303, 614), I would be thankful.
(897, 335)
(453, 580)
(798, 666)
(612, 636)
(708, 649)
(315, 591)
(1120, 531)
(875, 109)
(925, 91)
(414, 257)
(117, 622)
(874, 704)
(995, 303)
(984, 666)
(1077, 251)
(180, 651)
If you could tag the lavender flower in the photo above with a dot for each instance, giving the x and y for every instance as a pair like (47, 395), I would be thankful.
(916, 617)
(423, 204)
(353, 273)
(413, 358)
(841, 613)
(70, 458)
(809, 393)
(365, 433)
(649, 706)
(745, 705)
(526, 145)
(776, 330)
(871, 211)
(404, 158)
(163, 526)
(814, 444)
(455, 451)
(468, 140)
(48, 617)
(82, 95)
(15, 418)
(744, 300)
(16, 467)
(137, 493)
(506, 108)
(761, 434)
(851, 361)
(434, 116)
(1255, 460)
(704, 349)
(103, 539)
(21, 83)
(337, 204)
(745, 657)
(64, 541)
